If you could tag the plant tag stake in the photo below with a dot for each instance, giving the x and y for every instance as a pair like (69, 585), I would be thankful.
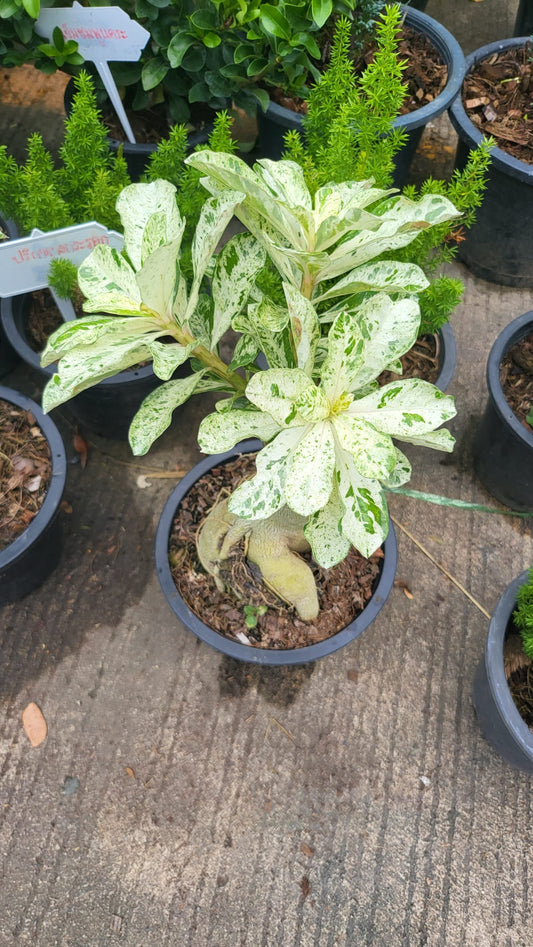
(24, 263)
(103, 34)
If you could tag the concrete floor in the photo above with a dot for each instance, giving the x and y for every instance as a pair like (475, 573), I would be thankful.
(351, 802)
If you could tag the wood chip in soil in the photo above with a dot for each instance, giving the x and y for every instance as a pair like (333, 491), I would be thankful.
(498, 99)
(343, 591)
(516, 378)
(25, 470)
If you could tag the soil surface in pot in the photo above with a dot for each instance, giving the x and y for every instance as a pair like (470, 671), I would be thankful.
(498, 98)
(516, 378)
(343, 591)
(519, 674)
(43, 319)
(425, 74)
(421, 361)
(149, 126)
(25, 470)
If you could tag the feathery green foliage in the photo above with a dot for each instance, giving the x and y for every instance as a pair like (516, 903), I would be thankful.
(348, 126)
(63, 278)
(39, 202)
(167, 161)
(523, 614)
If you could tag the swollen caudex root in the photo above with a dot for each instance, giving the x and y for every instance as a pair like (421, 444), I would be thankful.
(272, 545)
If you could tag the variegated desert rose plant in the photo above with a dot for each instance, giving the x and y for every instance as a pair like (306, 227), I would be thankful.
(328, 429)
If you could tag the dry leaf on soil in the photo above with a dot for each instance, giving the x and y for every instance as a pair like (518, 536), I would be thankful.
(34, 724)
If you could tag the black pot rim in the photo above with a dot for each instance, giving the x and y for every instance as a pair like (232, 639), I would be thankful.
(509, 714)
(57, 481)
(449, 356)
(512, 333)
(233, 648)
(11, 308)
(452, 56)
(468, 132)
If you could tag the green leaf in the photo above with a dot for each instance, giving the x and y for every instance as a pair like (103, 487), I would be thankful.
(211, 40)
(32, 8)
(384, 276)
(90, 331)
(153, 72)
(245, 352)
(321, 11)
(273, 21)
(178, 47)
(220, 432)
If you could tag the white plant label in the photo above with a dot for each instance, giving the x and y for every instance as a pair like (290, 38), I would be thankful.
(103, 34)
(24, 263)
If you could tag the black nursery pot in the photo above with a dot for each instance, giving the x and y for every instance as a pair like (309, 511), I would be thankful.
(447, 356)
(498, 245)
(277, 120)
(235, 649)
(32, 556)
(503, 449)
(9, 359)
(107, 408)
(500, 722)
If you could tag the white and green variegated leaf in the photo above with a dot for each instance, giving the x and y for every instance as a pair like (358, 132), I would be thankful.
(84, 367)
(155, 413)
(363, 342)
(286, 181)
(236, 269)
(201, 319)
(214, 217)
(276, 346)
(408, 408)
(373, 452)
(158, 279)
(293, 263)
(93, 330)
(221, 431)
(276, 391)
(136, 204)
(167, 358)
(399, 226)
(263, 495)
(230, 172)
(309, 479)
(384, 276)
(245, 352)
(108, 282)
(273, 317)
(312, 404)
(438, 440)
(305, 327)
(323, 532)
(401, 473)
(365, 522)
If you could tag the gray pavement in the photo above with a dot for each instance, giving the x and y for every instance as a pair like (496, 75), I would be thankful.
(351, 802)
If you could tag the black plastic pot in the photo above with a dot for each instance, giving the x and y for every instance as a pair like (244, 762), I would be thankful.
(498, 717)
(245, 652)
(524, 19)
(137, 155)
(32, 556)
(107, 408)
(447, 356)
(276, 121)
(503, 448)
(8, 357)
(498, 245)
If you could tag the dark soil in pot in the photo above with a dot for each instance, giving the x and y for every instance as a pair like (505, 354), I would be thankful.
(343, 590)
(25, 470)
(498, 98)
(516, 378)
